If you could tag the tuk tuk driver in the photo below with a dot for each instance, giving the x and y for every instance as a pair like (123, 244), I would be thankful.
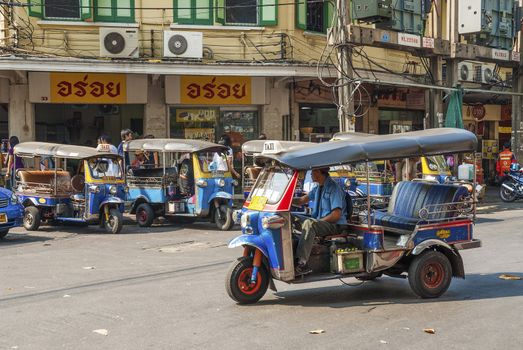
(330, 208)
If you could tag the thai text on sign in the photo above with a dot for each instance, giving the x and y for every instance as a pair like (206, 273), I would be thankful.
(215, 90)
(88, 88)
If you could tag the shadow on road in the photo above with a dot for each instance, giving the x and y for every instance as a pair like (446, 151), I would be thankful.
(385, 291)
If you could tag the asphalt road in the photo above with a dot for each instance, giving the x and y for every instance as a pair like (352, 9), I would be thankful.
(163, 288)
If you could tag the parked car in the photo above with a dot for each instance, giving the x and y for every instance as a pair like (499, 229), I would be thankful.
(11, 212)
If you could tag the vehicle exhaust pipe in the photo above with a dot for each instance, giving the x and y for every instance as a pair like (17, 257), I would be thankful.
(504, 184)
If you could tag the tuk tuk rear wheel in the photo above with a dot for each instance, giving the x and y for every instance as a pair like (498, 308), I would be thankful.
(238, 284)
(430, 274)
(144, 215)
(32, 218)
(223, 217)
(115, 222)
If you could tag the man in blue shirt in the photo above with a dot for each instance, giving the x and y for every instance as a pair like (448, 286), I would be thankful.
(330, 208)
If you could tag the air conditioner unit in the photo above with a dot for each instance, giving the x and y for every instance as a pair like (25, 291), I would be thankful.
(487, 76)
(182, 44)
(465, 71)
(119, 42)
(478, 73)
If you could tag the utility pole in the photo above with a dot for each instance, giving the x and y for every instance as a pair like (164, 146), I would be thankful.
(517, 103)
(345, 72)
(435, 99)
(452, 63)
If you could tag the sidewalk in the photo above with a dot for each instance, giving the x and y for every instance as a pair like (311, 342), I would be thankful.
(492, 202)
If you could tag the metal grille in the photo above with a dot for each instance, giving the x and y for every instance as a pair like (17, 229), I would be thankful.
(4, 202)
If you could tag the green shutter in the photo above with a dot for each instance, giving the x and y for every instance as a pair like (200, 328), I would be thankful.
(86, 9)
(301, 14)
(269, 12)
(183, 12)
(103, 10)
(220, 11)
(124, 10)
(202, 12)
(329, 11)
(35, 8)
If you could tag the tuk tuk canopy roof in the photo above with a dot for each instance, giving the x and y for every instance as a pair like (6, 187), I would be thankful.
(172, 145)
(56, 150)
(379, 147)
(250, 148)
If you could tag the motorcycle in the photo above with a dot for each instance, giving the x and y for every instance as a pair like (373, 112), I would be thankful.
(512, 186)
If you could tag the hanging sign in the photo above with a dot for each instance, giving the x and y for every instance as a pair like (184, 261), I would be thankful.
(503, 55)
(215, 90)
(195, 115)
(478, 112)
(87, 88)
(409, 40)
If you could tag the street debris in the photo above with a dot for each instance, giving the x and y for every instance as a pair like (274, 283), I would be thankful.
(47, 244)
(406, 328)
(102, 331)
(429, 330)
(88, 267)
(66, 296)
(509, 277)
(317, 331)
(383, 342)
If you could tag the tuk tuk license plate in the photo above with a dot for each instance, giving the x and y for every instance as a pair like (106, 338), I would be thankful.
(258, 203)
(3, 218)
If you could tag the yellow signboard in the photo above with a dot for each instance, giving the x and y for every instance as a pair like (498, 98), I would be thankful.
(196, 115)
(206, 134)
(505, 130)
(215, 90)
(88, 88)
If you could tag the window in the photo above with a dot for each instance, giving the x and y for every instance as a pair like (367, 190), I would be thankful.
(193, 11)
(233, 12)
(114, 10)
(314, 16)
(104, 10)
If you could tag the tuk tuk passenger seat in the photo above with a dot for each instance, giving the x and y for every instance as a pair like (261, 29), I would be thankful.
(408, 198)
(33, 178)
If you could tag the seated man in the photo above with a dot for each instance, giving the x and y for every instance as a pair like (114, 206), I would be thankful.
(329, 210)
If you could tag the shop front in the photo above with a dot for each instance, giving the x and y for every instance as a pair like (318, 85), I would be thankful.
(400, 109)
(76, 108)
(206, 107)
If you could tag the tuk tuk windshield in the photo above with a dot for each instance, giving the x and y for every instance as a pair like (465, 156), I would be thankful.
(437, 163)
(213, 162)
(105, 167)
(271, 184)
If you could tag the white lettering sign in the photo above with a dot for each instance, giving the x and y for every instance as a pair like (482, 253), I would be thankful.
(503, 55)
(516, 56)
(409, 40)
(428, 43)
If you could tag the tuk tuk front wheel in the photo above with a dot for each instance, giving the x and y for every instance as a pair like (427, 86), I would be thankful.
(115, 222)
(238, 282)
(223, 217)
(144, 215)
(31, 218)
(430, 274)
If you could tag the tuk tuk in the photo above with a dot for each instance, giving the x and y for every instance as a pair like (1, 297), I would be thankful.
(419, 235)
(191, 180)
(82, 186)
(435, 168)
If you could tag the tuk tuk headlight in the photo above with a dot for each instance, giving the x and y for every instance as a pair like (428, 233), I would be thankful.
(201, 183)
(94, 189)
(430, 177)
(273, 222)
(347, 183)
(14, 199)
(221, 182)
(245, 220)
(113, 190)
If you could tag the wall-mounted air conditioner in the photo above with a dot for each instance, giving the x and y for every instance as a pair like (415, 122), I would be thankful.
(182, 44)
(465, 71)
(119, 42)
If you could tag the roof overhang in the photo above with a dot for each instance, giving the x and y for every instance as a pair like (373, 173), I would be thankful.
(46, 64)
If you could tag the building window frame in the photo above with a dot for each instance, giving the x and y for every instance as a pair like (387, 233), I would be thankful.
(114, 17)
(193, 19)
(88, 9)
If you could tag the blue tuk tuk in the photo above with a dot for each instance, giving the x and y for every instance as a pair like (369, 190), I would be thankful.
(83, 186)
(179, 179)
(418, 236)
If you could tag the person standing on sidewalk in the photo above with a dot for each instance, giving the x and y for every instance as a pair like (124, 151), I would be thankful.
(505, 159)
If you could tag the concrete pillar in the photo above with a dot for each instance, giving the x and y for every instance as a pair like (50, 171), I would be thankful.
(277, 106)
(156, 117)
(21, 112)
